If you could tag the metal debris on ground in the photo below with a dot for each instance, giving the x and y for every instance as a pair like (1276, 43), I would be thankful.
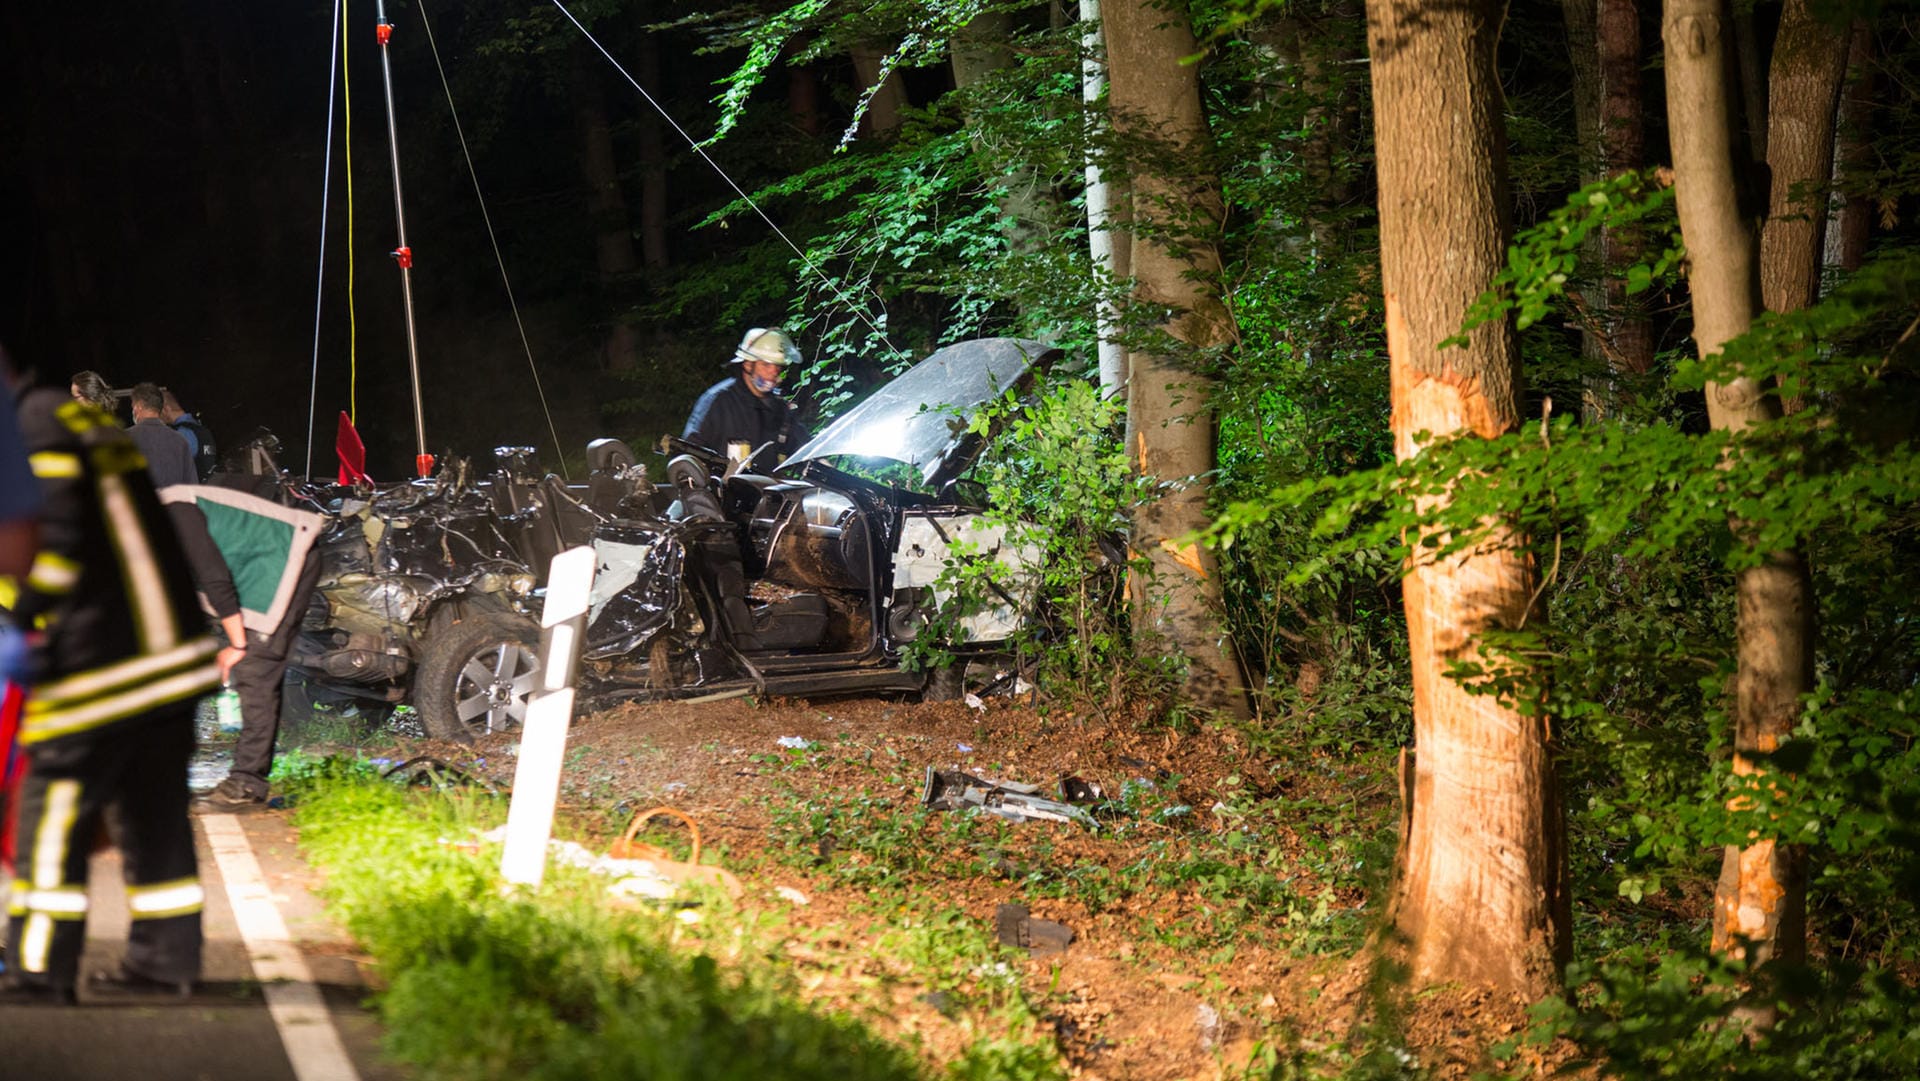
(952, 790)
(1014, 925)
(431, 772)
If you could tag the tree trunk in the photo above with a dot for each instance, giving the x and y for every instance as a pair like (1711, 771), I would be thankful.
(1329, 52)
(652, 150)
(1752, 120)
(1809, 62)
(1481, 896)
(1603, 38)
(886, 99)
(1853, 224)
(1102, 240)
(607, 208)
(1762, 892)
(1155, 97)
(803, 100)
(1027, 205)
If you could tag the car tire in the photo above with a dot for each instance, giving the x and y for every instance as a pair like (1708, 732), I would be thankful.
(476, 676)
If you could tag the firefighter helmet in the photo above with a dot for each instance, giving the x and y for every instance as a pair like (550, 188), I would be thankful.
(768, 347)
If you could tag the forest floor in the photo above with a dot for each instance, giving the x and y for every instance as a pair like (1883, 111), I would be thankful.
(1194, 955)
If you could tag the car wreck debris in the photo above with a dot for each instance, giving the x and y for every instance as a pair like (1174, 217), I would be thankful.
(952, 790)
(1014, 925)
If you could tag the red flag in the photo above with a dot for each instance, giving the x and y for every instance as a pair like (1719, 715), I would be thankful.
(352, 452)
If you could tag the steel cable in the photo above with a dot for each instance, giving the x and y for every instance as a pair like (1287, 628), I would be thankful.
(859, 311)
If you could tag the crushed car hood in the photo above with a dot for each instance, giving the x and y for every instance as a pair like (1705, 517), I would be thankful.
(920, 418)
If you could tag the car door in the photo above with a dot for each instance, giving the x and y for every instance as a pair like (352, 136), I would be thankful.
(943, 553)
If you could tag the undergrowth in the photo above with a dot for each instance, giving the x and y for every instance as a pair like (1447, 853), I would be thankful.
(483, 983)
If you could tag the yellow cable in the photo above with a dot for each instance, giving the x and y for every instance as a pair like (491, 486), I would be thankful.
(353, 328)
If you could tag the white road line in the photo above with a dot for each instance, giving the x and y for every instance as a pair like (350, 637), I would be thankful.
(293, 999)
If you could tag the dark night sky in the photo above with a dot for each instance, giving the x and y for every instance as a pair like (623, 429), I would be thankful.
(162, 194)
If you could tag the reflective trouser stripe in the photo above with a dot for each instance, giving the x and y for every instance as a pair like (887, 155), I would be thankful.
(163, 900)
(47, 869)
(65, 903)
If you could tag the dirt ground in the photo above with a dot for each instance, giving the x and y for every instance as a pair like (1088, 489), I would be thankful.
(1121, 1005)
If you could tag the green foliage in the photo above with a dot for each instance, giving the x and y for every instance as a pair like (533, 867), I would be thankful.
(1060, 486)
(1545, 258)
(568, 987)
(1678, 1013)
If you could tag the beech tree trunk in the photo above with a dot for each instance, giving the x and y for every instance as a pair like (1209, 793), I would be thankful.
(1482, 894)
(651, 147)
(886, 107)
(1155, 97)
(1760, 904)
(1809, 62)
(1853, 216)
(1027, 206)
(1603, 38)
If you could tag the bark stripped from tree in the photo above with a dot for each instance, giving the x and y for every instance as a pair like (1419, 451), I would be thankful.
(1761, 897)
(1155, 98)
(1482, 896)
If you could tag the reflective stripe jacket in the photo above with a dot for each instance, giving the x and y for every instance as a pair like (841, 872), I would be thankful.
(119, 631)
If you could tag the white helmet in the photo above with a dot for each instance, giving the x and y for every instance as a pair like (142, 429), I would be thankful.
(768, 347)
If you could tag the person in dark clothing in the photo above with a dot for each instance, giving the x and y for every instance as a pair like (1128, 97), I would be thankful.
(169, 461)
(119, 654)
(19, 540)
(743, 416)
(200, 444)
(92, 387)
(271, 549)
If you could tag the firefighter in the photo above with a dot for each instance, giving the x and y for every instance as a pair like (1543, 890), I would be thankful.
(744, 415)
(119, 654)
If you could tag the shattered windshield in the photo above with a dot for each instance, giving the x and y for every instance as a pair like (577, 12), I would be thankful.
(920, 418)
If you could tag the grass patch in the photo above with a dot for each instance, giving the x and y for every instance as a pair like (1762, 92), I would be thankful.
(483, 984)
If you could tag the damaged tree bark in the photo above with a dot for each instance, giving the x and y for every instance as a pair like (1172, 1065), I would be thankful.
(1481, 896)
(1760, 906)
(1154, 97)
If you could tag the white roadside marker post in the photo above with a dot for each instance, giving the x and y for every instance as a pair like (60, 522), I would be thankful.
(543, 739)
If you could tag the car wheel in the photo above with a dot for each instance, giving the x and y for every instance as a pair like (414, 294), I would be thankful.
(992, 675)
(476, 677)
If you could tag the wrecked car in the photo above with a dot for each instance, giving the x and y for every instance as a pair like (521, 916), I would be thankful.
(812, 579)
(428, 590)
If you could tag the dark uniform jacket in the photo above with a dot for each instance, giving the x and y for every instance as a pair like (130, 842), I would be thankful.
(730, 413)
(169, 462)
(120, 632)
(206, 456)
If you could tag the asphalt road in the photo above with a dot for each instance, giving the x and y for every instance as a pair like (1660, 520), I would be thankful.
(282, 994)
